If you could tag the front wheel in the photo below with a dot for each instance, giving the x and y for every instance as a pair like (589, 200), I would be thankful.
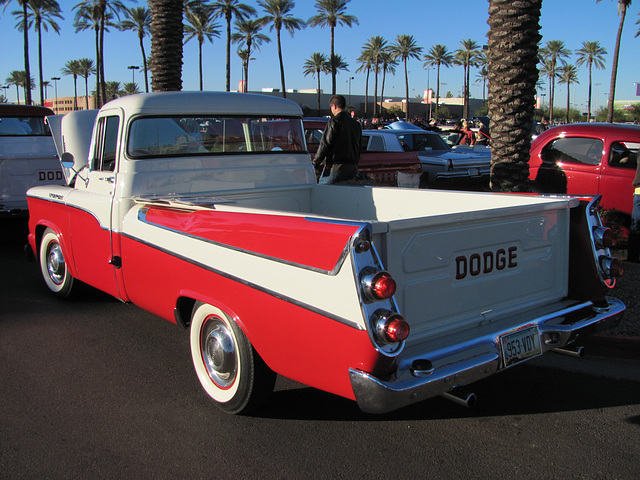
(53, 265)
(228, 367)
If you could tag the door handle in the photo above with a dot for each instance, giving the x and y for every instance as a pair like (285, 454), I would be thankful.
(107, 179)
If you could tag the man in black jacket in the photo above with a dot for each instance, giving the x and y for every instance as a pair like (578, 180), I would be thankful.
(339, 151)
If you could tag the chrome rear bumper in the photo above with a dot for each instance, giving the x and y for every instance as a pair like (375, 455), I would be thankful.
(434, 373)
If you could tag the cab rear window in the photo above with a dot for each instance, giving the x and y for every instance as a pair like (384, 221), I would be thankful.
(23, 126)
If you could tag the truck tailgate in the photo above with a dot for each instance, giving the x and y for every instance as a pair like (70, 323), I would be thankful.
(456, 273)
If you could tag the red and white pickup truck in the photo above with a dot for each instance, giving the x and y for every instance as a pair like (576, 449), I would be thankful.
(203, 209)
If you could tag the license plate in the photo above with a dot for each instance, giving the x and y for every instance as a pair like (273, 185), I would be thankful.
(520, 345)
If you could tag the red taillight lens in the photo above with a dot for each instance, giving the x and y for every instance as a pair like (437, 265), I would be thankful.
(604, 237)
(397, 329)
(383, 286)
(390, 327)
(612, 266)
(379, 286)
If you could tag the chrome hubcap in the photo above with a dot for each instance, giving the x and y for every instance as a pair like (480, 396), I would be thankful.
(218, 352)
(55, 264)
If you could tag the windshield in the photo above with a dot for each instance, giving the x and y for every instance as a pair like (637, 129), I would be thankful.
(23, 126)
(171, 136)
(420, 142)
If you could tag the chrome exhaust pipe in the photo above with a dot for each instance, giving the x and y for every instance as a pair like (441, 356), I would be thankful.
(461, 397)
(571, 350)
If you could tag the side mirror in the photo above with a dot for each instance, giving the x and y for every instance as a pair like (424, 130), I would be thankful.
(67, 160)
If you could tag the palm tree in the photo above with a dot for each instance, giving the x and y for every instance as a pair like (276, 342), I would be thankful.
(72, 67)
(229, 9)
(389, 64)
(278, 14)
(554, 51)
(129, 88)
(568, 76)
(200, 25)
(85, 69)
(112, 90)
(374, 48)
(19, 79)
(365, 66)
(25, 30)
(138, 20)
(592, 54)
(315, 65)
(245, 57)
(513, 56)
(248, 32)
(103, 11)
(438, 56)
(331, 13)
(466, 56)
(88, 17)
(623, 5)
(482, 77)
(42, 15)
(166, 45)
(405, 47)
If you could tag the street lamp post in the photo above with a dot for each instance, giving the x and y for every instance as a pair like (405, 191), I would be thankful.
(428, 91)
(133, 69)
(350, 78)
(55, 87)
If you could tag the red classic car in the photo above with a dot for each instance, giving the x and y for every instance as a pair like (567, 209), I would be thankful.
(588, 158)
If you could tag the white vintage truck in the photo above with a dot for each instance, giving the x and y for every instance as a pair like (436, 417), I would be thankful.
(203, 209)
(27, 156)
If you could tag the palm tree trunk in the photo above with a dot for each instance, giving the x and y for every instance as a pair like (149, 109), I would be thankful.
(333, 64)
(228, 73)
(86, 91)
(466, 90)
(39, 31)
(103, 83)
(144, 64)
(200, 62)
(166, 45)
(366, 92)
(99, 97)
(568, 103)
(318, 72)
(614, 66)
(406, 84)
(75, 92)
(438, 89)
(384, 76)
(513, 57)
(284, 89)
(375, 91)
(589, 95)
(27, 70)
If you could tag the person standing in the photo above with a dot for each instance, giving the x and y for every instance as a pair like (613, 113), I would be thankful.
(339, 151)
(633, 247)
(468, 137)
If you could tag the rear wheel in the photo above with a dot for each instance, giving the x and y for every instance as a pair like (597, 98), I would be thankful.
(53, 265)
(228, 367)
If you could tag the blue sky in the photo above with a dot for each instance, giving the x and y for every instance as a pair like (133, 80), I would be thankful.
(429, 21)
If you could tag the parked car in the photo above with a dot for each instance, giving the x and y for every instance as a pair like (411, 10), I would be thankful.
(442, 167)
(588, 159)
(395, 169)
(27, 155)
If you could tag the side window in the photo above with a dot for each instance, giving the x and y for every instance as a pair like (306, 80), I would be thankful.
(104, 158)
(587, 151)
(624, 155)
(377, 143)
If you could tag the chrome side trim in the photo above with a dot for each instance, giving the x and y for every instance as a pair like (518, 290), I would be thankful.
(471, 361)
(249, 284)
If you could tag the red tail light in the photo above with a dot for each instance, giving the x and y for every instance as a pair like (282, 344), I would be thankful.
(379, 286)
(612, 266)
(604, 237)
(390, 327)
